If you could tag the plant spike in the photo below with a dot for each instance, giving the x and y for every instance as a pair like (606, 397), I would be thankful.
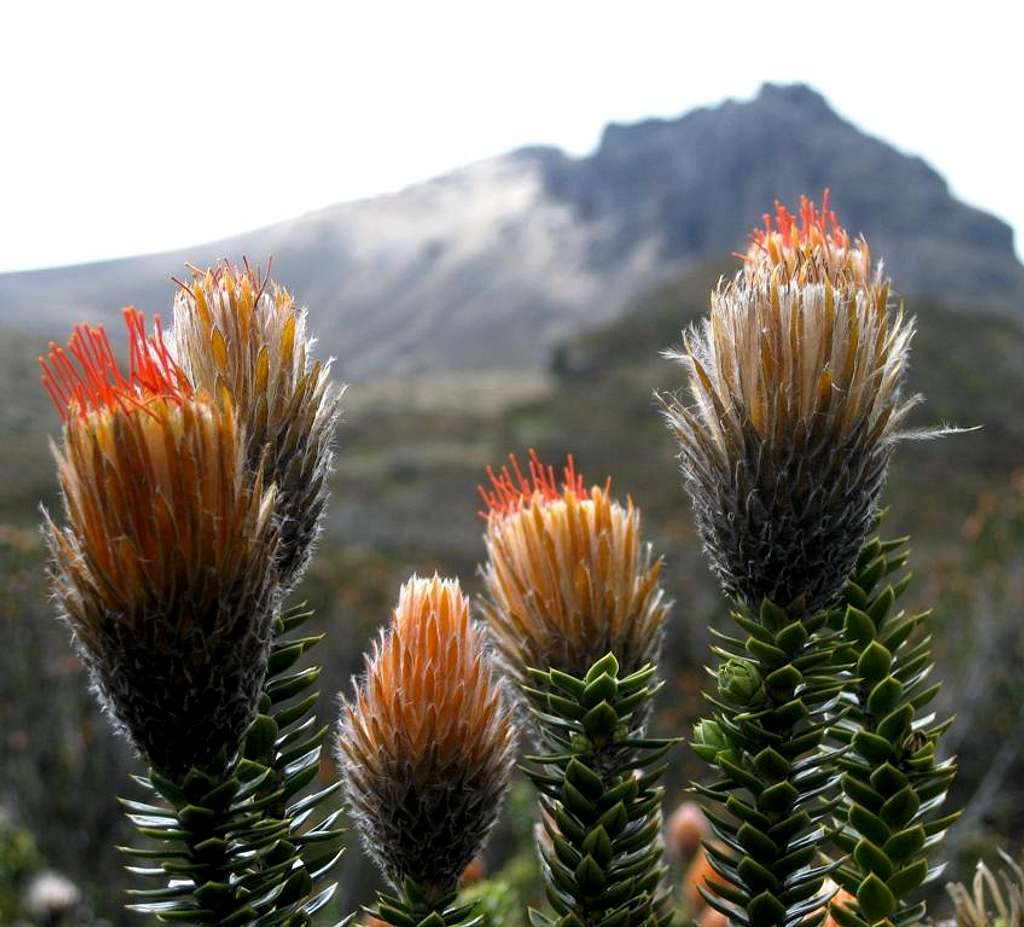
(171, 569)
(600, 841)
(766, 739)
(284, 743)
(417, 906)
(241, 337)
(893, 782)
(796, 402)
(242, 850)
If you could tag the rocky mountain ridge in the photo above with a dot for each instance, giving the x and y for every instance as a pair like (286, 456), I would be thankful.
(493, 264)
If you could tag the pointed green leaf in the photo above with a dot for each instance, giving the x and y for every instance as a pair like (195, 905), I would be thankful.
(876, 900)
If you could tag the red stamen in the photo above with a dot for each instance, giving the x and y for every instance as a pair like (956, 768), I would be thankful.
(94, 381)
(815, 226)
(511, 489)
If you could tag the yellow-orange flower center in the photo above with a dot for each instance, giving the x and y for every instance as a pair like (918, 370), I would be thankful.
(568, 577)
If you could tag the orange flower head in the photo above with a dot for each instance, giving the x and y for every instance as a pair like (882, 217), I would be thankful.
(240, 337)
(164, 567)
(426, 742)
(568, 577)
(810, 246)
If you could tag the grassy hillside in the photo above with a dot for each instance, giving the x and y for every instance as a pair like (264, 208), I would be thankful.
(26, 417)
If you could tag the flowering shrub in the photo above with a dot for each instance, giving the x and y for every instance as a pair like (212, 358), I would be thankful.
(194, 488)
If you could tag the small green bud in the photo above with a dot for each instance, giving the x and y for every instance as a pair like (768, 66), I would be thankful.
(740, 682)
(709, 739)
(580, 743)
(590, 877)
(602, 689)
(260, 738)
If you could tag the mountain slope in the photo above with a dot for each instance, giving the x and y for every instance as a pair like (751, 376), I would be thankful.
(695, 181)
(493, 264)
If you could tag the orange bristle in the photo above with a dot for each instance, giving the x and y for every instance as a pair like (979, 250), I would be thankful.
(85, 376)
(511, 490)
(813, 227)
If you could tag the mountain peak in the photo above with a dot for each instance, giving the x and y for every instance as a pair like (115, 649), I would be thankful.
(491, 265)
(698, 183)
(797, 94)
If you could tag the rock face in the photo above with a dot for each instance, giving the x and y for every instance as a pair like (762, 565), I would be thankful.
(694, 181)
(490, 265)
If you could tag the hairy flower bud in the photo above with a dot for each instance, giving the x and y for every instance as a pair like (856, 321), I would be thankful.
(568, 577)
(796, 383)
(426, 743)
(239, 336)
(165, 567)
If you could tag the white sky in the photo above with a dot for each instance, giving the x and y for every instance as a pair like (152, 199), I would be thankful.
(143, 126)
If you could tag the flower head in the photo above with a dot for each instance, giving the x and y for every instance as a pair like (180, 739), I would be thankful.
(568, 577)
(165, 566)
(240, 337)
(796, 384)
(426, 742)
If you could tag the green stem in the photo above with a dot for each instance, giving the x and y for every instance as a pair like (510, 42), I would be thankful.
(195, 828)
(247, 839)
(765, 741)
(893, 781)
(283, 748)
(601, 804)
(421, 906)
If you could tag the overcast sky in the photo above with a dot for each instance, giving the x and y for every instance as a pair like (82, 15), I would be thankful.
(144, 126)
